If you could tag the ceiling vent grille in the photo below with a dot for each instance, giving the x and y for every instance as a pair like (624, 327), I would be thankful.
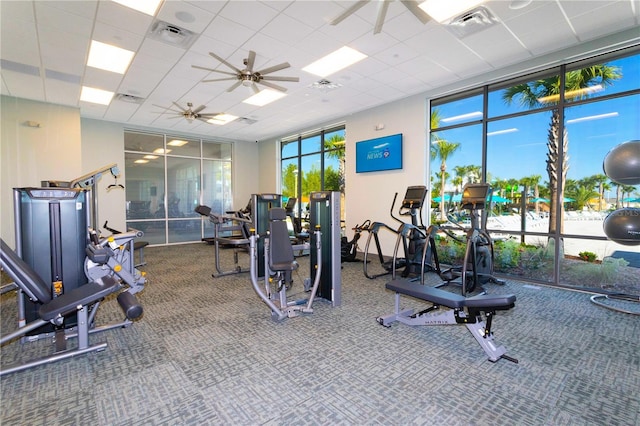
(472, 21)
(129, 98)
(246, 120)
(325, 85)
(171, 34)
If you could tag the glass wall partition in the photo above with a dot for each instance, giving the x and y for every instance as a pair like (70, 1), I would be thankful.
(167, 177)
(540, 141)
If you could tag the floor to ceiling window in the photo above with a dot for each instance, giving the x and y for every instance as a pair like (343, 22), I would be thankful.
(540, 141)
(312, 162)
(167, 177)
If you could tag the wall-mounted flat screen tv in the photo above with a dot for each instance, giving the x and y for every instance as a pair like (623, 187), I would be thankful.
(379, 154)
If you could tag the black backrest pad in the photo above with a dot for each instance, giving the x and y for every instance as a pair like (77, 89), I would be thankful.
(280, 249)
(23, 275)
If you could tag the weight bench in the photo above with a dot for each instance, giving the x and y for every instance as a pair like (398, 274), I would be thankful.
(467, 311)
(83, 300)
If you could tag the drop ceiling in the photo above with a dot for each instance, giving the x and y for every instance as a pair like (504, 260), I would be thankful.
(45, 44)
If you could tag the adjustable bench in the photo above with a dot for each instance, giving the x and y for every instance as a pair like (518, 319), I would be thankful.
(467, 311)
(83, 300)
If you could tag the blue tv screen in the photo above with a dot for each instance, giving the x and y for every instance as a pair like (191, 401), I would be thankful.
(379, 154)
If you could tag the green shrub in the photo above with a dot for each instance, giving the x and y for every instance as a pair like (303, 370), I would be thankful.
(587, 256)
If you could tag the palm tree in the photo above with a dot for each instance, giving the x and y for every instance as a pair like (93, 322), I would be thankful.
(532, 182)
(334, 147)
(582, 195)
(548, 91)
(442, 149)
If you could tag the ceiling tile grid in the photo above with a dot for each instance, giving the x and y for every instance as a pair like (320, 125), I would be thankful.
(44, 47)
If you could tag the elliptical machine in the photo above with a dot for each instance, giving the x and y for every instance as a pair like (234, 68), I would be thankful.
(410, 236)
(478, 263)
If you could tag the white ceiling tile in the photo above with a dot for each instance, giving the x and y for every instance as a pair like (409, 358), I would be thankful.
(58, 92)
(212, 6)
(114, 14)
(314, 14)
(19, 42)
(405, 59)
(116, 36)
(61, 20)
(24, 86)
(185, 15)
(228, 31)
(254, 15)
(83, 8)
(101, 79)
(16, 10)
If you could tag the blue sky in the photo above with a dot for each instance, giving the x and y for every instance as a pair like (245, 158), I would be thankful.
(517, 146)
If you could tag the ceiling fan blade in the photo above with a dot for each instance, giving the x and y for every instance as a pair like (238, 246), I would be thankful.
(251, 60)
(412, 5)
(179, 107)
(202, 119)
(277, 78)
(220, 79)
(382, 14)
(255, 89)
(273, 86)
(348, 12)
(236, 84)
(212, 115)
(274, 68)
(212, 70)
(200, 108)
(225, 62)
(166, 109)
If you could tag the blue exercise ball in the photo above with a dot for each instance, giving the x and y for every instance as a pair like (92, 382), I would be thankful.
(622, 163)
(623, 226)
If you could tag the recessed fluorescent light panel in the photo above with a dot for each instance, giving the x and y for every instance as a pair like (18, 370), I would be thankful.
(161, 151)
(443, 10)
(264, 97)
(177, 142)
(222, 119)
(109, 58)
(148, 7)
(96, 96)
(333, 62)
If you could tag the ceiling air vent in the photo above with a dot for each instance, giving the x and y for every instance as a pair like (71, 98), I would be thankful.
(171, 34)
(246, 120)
(325, 85)
(129, 98)
(472, 21)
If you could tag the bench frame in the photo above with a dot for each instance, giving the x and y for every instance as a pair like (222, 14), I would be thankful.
(467, 311)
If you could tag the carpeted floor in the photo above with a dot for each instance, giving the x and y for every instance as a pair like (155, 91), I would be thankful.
(207, 352)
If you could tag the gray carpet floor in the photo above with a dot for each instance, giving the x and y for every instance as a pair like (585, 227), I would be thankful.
(206, 352)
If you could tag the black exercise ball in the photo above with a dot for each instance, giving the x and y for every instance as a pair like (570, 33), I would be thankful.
(622, 163)
(623, 226)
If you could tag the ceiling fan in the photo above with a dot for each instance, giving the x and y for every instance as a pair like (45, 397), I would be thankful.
(247, 76)
(189, 113)
(383, 5)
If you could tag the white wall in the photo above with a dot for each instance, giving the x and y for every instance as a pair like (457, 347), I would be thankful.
(246, 172)
(370, 195)
(29, 155)
(103, 145)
